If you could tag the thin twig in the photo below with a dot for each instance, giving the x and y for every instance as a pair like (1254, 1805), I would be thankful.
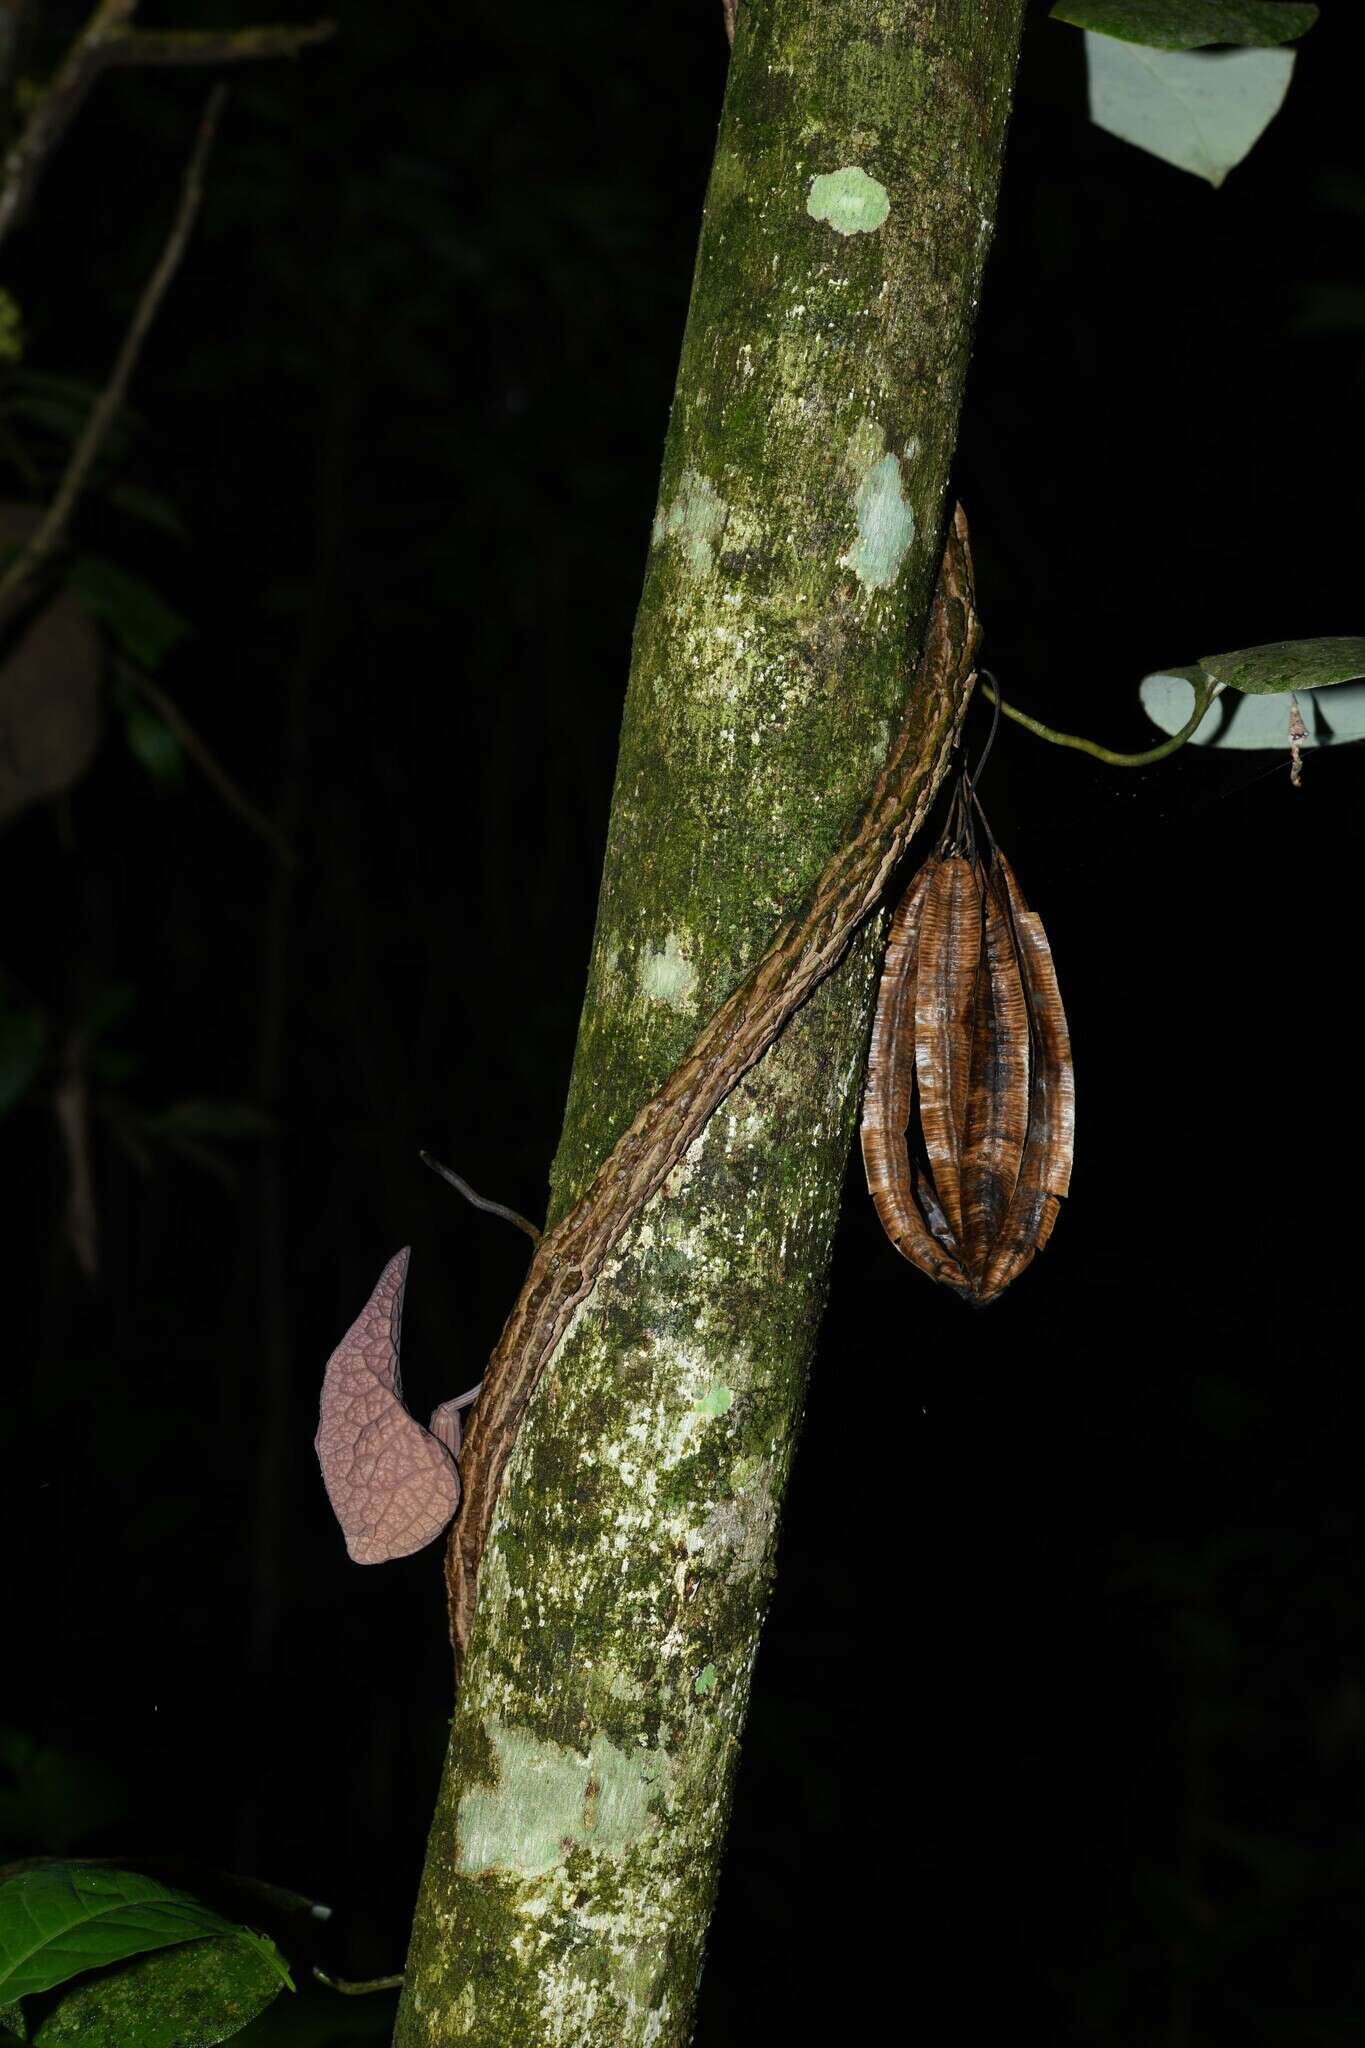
(480, 1201)
(50, 531)
(106, 41)
(358, 1987)
(214, 45)
(1203, 698)
(207, 761)
(58, 107)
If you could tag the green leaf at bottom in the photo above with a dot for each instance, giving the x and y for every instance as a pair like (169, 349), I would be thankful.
(202, 1992)
(66, 1917)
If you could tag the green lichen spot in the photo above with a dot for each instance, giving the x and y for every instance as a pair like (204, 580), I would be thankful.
(706, 1679)
(849, 200)
(669, 977)
(886, 526)
(696, 520)
(549, 1800)
(716, 1400)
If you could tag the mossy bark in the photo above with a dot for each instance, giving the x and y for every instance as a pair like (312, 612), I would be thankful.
(574, 1853)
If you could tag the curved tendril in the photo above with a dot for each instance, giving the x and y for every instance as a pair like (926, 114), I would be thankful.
(1203, 697)
(480, 1201)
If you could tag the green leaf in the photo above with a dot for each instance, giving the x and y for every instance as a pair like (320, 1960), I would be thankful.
(138, 617)
(148, 506)
(1199, 110)
(54, 415)
(1188, 24)
(67, 1917)
(23, 1034)
(1288, 665)
(76, 391)
(13, 2026)
(202, 1992)
(153, 744)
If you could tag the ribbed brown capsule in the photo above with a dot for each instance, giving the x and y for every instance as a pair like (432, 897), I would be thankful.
(968, 1119)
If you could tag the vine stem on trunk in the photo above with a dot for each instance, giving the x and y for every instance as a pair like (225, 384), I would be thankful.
(804, 950)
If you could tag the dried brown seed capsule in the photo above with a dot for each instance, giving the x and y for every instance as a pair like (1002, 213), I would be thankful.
(968, 1118)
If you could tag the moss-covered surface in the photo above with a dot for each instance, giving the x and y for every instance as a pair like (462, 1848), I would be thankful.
(575, 1850)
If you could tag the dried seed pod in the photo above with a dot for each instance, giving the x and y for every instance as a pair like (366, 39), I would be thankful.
(998, 1105)
(968, 1117)
(889, 1098)
(1045, 1173)
(946, 994)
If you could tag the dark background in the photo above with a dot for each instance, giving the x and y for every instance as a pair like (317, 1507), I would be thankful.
(1059, 1723)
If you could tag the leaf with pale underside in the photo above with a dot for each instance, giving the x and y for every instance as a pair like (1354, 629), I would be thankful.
(1190, 24)
(1288, 665)
(1255, 724)
(1200, 110)
(1252, 711)
(392, 1484)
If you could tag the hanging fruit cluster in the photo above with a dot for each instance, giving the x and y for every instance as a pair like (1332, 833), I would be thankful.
(968, 1118)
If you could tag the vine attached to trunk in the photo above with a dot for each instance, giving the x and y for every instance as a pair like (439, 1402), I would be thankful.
(805, 949)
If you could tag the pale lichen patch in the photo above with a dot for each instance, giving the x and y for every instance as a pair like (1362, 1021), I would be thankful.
(716, 1400)
(850, 200)
(549, 1800)
(696, 520)
(465, 2010)
(668, 976)
(886, 526)
(742, 1525)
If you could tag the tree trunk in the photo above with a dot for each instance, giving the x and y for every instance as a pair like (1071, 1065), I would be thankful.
(578, 1832)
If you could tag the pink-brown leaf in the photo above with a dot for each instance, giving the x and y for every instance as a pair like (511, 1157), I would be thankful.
(393, 1486)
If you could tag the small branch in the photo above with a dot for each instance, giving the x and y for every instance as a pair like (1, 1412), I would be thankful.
(214, 46)
(480, 1201)
(210, 766)
(729, 8)
(1202, 700)
(50, 531)
(107, 41)
(58, 108)
(358, 1987)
